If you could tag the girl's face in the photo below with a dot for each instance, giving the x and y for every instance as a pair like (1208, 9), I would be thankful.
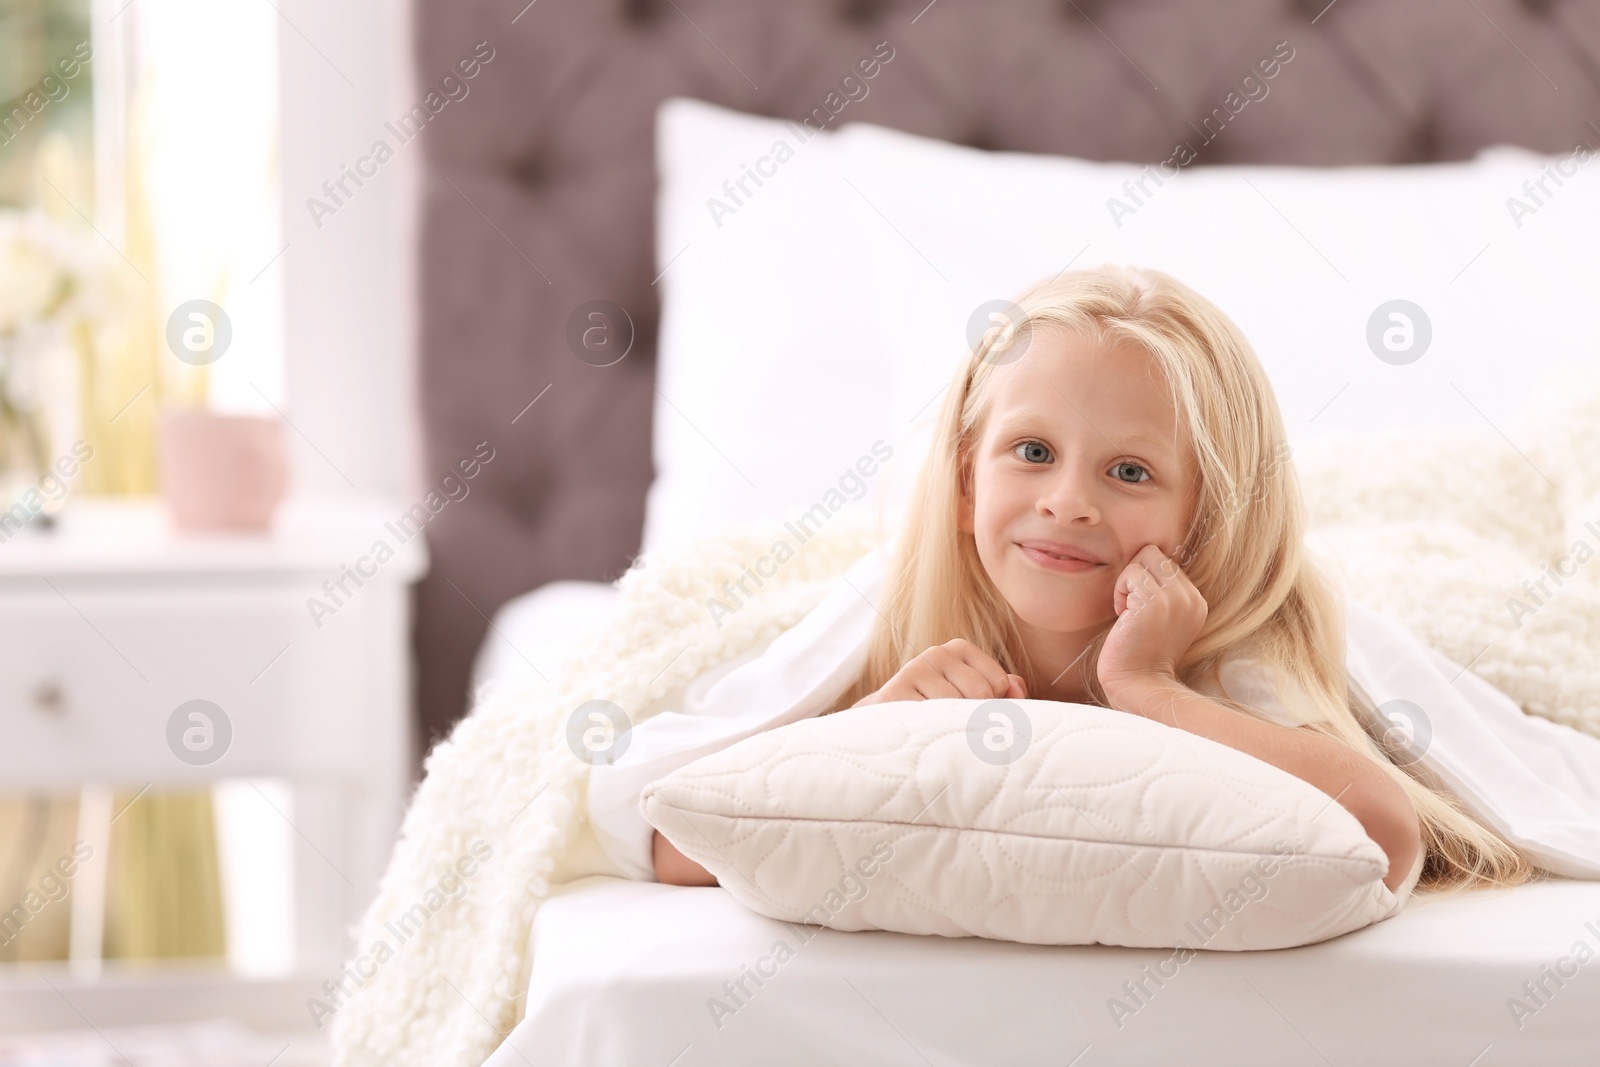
(1079, 457)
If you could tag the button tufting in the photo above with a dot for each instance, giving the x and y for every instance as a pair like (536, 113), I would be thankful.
(1309, 9)
(863, 12)
(1425, 143)
(641, 12)
(1085, 11)
(529, 170)
(981, 138)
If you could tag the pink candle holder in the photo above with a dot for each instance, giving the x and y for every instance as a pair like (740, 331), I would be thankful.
(222, 472)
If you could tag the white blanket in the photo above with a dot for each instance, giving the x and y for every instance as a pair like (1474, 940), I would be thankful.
(505, 790)
(1534, 781)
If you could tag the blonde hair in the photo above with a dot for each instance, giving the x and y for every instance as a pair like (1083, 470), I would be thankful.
(1243, 551)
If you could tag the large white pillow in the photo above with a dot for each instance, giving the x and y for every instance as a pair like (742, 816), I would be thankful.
(1307, 261)
(1024, 820)
(771, 378)
(826, 312)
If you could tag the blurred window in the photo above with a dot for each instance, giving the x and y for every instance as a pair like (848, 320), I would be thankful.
(46, 92)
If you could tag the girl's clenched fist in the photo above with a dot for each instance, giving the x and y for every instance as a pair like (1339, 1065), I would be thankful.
(957, 668)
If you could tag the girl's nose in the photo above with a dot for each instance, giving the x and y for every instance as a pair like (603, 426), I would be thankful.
(1071, 495)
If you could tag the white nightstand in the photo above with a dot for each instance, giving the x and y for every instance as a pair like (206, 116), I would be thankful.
(110, 622)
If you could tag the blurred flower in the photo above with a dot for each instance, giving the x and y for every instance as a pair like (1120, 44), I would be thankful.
(53, 278)
(48, 272)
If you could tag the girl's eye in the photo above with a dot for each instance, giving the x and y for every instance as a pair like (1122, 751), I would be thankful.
(1121, 470)
(1033, 452)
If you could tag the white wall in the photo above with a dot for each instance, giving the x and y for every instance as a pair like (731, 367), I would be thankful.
(348, 285)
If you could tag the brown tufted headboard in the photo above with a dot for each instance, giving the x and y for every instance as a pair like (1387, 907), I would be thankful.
(539, 185)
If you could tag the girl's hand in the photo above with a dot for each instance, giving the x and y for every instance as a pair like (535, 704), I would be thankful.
(957, 668)
(1159, 614)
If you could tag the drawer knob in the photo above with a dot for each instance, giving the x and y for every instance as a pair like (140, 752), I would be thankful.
(50, 699)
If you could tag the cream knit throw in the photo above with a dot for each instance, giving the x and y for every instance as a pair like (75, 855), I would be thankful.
(1487, 547)
(446, 986)
(1440, 533)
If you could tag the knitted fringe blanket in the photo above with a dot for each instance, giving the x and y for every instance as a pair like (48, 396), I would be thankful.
(1486, 546)
(439, 972)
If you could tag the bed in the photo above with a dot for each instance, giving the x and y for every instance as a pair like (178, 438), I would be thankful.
(625, 973)
(636, 972)
(865, 279)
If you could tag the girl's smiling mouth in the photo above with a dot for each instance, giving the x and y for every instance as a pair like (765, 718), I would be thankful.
(1056, 556)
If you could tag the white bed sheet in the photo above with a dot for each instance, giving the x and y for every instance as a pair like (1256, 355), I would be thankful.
(623, 973)
(530, 634)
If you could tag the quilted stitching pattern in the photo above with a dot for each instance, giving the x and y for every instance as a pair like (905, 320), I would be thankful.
(1108, 829)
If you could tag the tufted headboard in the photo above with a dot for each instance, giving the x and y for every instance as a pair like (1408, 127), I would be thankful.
(539, 184)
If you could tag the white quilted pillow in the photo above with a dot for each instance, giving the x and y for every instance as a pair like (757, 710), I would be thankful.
(1023, 820)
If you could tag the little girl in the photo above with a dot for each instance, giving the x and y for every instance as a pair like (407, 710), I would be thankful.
(1107, 516)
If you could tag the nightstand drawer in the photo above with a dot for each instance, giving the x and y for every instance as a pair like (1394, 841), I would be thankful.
(65, 703)
(95, 673)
